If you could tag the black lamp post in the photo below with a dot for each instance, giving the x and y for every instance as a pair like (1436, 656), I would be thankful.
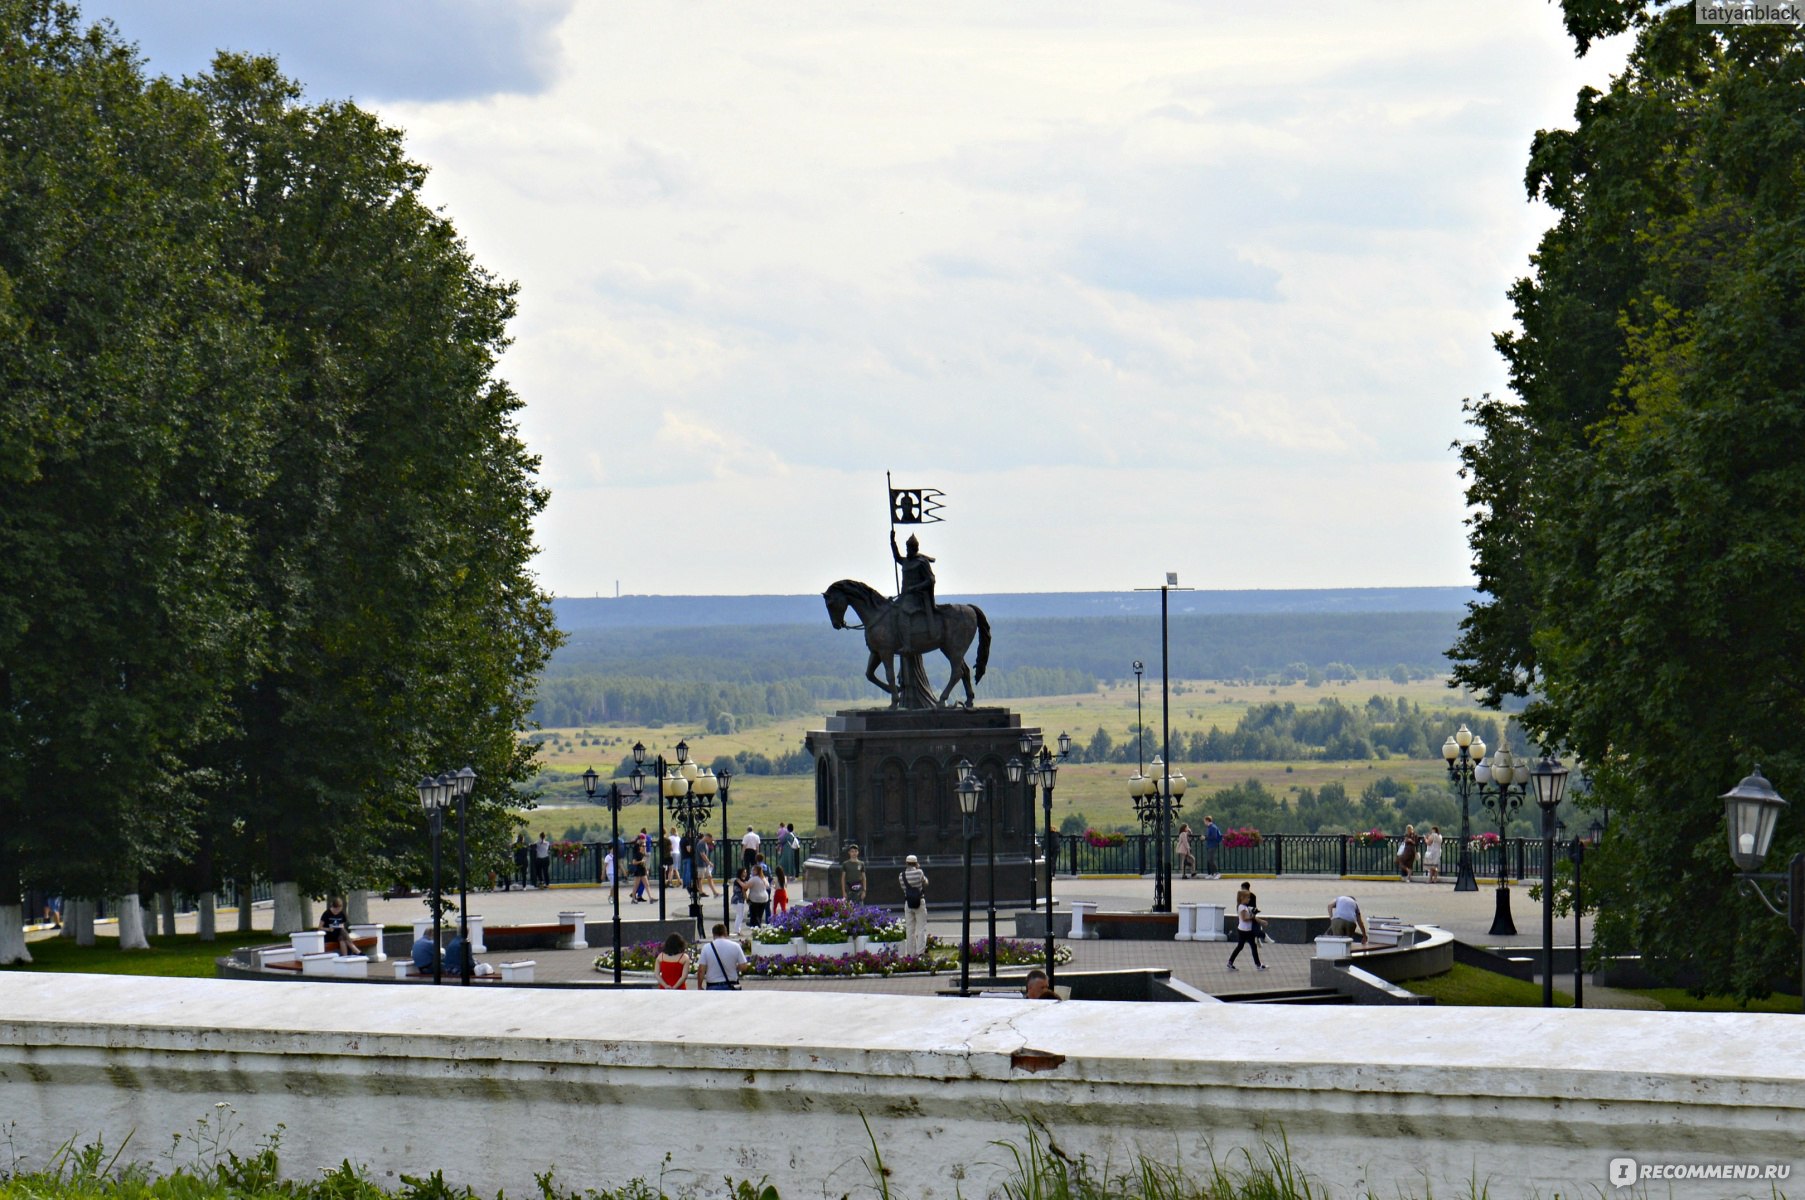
(1162, 866)
(964, 769)
(435, 794)
(689, 793)
(1463, 750)
(1157, 797)
(968, 789)
(462, 784)
(1049, 769)
(1550, 778)
(724, 779)
(1751, 810)
(589, 781)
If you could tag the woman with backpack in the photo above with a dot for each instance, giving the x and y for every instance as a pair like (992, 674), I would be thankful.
(737, 898)
(914, 883)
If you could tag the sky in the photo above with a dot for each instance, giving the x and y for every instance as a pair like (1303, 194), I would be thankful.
(1140, 287)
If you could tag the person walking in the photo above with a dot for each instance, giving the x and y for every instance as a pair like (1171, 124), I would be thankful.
(794, 865)
(522, 852)
(758, 895)
(914, 883)
(705, 865)
(638, 871)
(542, 860)
(1212, 849)
(1407, 854)
(737, 898)
(780, 894)
(1432, 854)
(718, 965)
(1246, 933)
(749, 847)
(1187, 863)
(852, 876)
(673, 842)
(673, 965)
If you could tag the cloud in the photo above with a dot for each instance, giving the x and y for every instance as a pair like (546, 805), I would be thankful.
(387, 50)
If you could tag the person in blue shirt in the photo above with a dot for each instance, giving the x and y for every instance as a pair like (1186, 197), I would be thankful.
(424, 953)
(1212, 849)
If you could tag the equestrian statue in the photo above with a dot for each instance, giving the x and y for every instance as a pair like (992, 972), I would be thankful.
(910, 626)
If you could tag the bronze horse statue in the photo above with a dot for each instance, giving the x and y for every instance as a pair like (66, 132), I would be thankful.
(888, 633)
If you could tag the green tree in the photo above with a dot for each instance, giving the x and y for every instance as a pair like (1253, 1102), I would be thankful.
(1639, 500)
(402, 631)
(131, 434)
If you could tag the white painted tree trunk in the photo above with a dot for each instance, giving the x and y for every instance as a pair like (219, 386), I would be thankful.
(12, 935)
(131, 924)
(308, 920)
(207, 922)
(68, 929)
(80, 913)
(287, 917)
(357, 906)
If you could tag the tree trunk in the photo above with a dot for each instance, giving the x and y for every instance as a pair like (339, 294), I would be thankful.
(206, 921)
(244, 905)
(166, 902)
(12, 935)
(287, 917)
(357, 906)
(69, 910)
(80, 913)
(308, 920)
(131, 924)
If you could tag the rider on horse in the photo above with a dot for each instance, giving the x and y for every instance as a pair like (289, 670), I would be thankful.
(916, 602)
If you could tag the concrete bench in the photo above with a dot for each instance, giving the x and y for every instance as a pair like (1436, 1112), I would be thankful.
(518, 972)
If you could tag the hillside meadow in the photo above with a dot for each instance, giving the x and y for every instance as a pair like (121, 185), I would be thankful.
(1096, 790)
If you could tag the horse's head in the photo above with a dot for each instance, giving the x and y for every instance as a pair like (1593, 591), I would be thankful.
(835, 597)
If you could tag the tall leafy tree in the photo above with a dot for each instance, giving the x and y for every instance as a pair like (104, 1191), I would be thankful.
(1640, 502)
(402, 627)
(131, 430)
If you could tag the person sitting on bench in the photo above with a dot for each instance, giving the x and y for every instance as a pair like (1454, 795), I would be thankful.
(1037, 987)
(425, 953)
(337, 926)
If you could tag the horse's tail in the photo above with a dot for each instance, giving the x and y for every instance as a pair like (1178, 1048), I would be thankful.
(983, 644)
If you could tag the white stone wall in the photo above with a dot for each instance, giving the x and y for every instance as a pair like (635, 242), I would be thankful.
(491, 1085)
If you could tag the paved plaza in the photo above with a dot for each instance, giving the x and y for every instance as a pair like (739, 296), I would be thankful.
(1203, 965)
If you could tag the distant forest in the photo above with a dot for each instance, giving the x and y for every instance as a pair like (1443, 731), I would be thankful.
(756, 673)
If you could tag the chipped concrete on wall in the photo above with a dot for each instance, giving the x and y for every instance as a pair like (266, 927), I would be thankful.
(494, 1086)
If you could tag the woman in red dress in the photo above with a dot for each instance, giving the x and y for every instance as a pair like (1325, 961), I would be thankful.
(673, 965)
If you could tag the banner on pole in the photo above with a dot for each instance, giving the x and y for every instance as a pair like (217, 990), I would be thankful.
(915, 506)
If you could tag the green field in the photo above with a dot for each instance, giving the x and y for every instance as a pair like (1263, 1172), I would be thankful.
(181, 954)
(1098, 790)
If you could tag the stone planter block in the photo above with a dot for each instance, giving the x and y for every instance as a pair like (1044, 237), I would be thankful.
(402, 967)
(1334, 947)
(270, 956)
(1187, 921)
(375, 953)
(1080, 910)
(1207, 925)
(322, 963)
(351, 966)
(860, 944)
(476, 935)
(308, 941)
(798, 946)
(518, 972)
(765, 950)
(831, 949)
(579, 936)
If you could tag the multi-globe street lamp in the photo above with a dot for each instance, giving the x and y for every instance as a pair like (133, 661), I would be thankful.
(1038, 765)
(1751, 811)
(1502, 782)
(1550, 779)
(1463, 752)
(1157, 798)
(436, 795)
(688, 791)
(589, 782)
(968, 789)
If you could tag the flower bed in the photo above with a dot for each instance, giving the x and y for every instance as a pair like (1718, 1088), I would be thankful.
(1485, 840)
(1371, 837)
(1103, 840)
(941, 956)
(567, 852)
(1234, 839)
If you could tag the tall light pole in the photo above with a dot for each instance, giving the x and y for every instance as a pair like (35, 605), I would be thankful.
(689, 791)
(1049, 769)
(1550, 779)
(1140, 729)
(1162, 868)
(964, 769)
(968, 790)
(1751, 810)
(435, 794)
(1503, 783)
(724, 778)
(1463, 750)
(462, 784)
(589, 781)
(1157, 798)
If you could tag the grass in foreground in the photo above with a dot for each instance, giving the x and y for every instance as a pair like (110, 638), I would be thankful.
(180, 955)
(1473, 986)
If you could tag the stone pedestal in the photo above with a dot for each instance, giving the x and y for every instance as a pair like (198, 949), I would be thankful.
(374, 932)
(578, 938)
(884, 779)
(1207, 925)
